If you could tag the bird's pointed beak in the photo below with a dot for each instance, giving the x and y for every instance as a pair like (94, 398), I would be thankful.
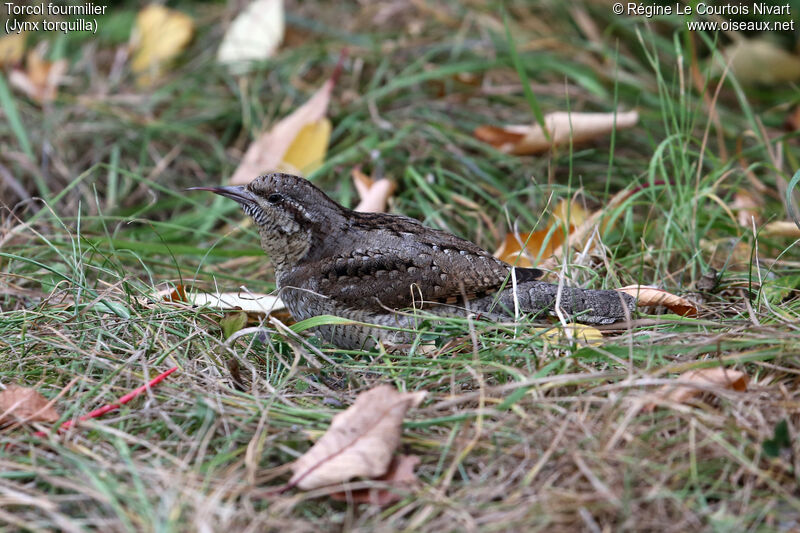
(238, 193)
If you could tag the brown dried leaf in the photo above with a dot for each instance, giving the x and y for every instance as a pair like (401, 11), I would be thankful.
(650, 296)
(691, 384)
(268, 152)
(40, 79)
(781, 228)
(23, 404)
(374, 194)
(400, 477)
(360, 441)
(562, 126)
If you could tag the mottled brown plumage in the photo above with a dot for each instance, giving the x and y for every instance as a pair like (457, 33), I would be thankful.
(362, 266)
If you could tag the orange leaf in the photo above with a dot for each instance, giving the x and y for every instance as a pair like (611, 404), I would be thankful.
(176, 295)
(691, 384)
(563, 127)
(23, 404)
(511, 251)
(40, 79)
(650, 296)
(360, 441)
(374, 194)
(400, 476)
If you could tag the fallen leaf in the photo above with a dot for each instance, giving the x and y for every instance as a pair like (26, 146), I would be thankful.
(781, 229)
(254, 35)
(178, 294)
(246, 301)
(264, 304)
(39, 80)
(760, 61)
(374, 194)
(360, 441)
(233, 322)
(651, 296)
(158, 36)
(307, 151)
(562, 126)
(399, 477)
(527, 249)
(691, 384)
(747, 205)
(12, 48)
(23, 404)
(299, 141)
(579, 237)
(587, 334)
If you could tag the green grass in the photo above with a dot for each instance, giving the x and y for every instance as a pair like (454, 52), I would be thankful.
(519, 432)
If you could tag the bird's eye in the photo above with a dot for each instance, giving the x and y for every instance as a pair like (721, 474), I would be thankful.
(274, 198)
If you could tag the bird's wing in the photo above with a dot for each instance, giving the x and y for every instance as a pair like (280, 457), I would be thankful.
(407, 271)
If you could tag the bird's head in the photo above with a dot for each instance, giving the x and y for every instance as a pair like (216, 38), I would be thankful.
(290, 213)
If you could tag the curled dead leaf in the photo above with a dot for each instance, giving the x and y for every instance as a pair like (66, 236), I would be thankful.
(651, 296)
(39, 80)
(692, 383)
(562, 127)
(374, 194)
(360, 441)
(781, 228)
(23, 404)
(400, 478)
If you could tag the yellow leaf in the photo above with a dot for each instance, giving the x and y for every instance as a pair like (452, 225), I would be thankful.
(12, 48)
(570, 212)
(307, 151)
(587, 334)
(305, 131)
(159, 35)
(760, 61)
